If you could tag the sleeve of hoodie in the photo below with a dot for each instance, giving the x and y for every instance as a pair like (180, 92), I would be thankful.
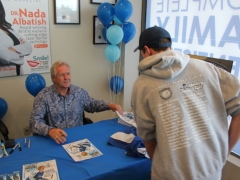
(143, 116)
(230, 87)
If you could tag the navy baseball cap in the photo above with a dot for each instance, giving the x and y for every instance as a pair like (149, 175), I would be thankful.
(151, 36)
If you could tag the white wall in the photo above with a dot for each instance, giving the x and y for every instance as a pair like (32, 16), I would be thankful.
(131, 58)
(73, 43)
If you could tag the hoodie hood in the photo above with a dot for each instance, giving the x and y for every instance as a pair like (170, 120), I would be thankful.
(164, 65)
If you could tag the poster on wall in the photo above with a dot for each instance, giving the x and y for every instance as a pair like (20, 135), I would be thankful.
(24, 37)
(204, 28)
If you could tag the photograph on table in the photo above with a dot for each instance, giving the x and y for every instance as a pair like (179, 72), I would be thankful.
(41, 170)
(82, 150)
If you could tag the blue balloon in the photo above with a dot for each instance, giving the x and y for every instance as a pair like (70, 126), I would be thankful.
(3, 108)
(123, 10)
(105, 13)
(35, 83)
(129, 31)
(112, 53)
(114, 34)
(104, 33)
(116, 84)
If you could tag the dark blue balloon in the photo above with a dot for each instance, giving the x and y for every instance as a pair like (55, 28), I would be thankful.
(129, 31)
(123, 10)
(116, 84)
(105, 13)
(104, 33)
(35, 83)
(3, 108)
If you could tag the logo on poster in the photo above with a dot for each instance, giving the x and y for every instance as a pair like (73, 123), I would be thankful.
(38, 60)
(32, 15)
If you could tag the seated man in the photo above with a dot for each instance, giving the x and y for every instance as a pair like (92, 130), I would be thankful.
(62, 104)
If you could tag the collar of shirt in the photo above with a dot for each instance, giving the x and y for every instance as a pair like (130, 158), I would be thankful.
(56, 92)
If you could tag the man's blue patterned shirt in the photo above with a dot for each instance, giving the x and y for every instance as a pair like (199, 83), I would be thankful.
(52, 110)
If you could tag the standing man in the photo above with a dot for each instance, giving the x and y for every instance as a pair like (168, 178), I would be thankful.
(181, 106)
(62, 105)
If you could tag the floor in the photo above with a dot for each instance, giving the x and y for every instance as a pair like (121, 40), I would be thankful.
(231, 172)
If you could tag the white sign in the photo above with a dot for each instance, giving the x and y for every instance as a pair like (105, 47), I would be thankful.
(202, 27)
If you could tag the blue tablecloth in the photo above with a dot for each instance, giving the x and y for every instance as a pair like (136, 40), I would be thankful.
(112, 165)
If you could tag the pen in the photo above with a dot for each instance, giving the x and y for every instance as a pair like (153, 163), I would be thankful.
(29, 143)
(25, 142)
(19, 147)
(13, 149)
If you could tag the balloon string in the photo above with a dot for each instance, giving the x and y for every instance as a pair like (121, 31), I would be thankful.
(115, 70)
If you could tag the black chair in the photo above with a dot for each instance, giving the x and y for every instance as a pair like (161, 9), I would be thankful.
(4, 131)
(86, 120)
(8, 143)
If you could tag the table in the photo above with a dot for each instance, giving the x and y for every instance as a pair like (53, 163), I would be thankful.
(112, 165)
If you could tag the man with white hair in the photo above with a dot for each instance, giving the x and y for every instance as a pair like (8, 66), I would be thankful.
(62, 105)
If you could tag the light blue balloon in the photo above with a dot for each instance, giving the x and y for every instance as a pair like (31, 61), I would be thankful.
(114, 34)
(123, 10)
(116, 20)
(112, 53)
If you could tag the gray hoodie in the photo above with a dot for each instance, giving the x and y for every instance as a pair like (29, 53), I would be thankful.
(183, 104)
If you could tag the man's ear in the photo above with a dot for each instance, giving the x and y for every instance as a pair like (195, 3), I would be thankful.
(147, 50)
(52, 78)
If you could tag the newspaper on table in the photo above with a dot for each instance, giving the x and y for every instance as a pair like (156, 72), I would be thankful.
(82, 150)
(45, 170)
(127, 119)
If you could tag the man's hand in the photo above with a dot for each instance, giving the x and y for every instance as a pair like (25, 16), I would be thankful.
(116, 107)
(58, 135)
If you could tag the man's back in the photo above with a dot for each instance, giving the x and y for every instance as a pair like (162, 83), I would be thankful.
(187, 115)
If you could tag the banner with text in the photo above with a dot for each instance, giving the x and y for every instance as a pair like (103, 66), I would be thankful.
(201, 27)
(25, 38)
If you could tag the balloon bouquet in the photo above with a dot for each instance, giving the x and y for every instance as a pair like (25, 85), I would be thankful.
(116, 33)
